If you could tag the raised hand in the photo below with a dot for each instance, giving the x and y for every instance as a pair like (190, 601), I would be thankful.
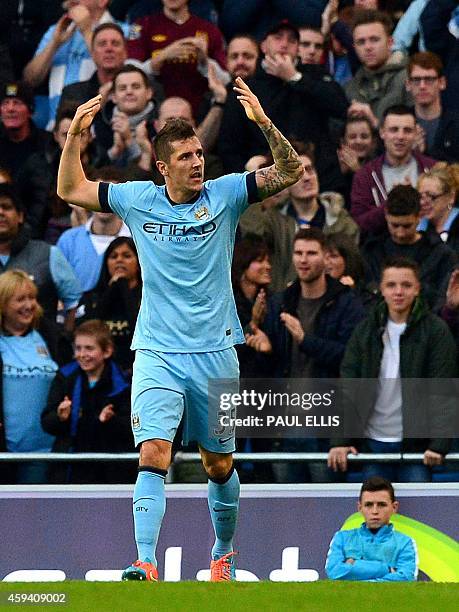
(258, 340)
(64, 29)
(250, 102)
(293, 326)
(64, 409)
(452, 293)
(106, 413)
(84, 116)
(259, 308)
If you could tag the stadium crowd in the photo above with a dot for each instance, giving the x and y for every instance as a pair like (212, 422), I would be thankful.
(352, 272)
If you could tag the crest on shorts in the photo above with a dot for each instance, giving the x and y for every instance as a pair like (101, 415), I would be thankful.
(202, 214)
(135, 421)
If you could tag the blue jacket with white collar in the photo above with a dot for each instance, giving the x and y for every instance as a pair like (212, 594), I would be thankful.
(374, 555)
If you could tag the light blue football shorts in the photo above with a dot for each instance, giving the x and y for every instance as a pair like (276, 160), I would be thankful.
(167, 386)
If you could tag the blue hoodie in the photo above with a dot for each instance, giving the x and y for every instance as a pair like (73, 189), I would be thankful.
(374, 553)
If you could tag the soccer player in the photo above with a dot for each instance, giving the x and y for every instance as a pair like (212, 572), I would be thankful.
(375, 552)
(187, 325)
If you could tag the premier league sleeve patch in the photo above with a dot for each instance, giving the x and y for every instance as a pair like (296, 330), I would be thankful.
(135, 422)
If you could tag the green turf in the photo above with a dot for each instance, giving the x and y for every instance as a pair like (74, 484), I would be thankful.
(260, 597)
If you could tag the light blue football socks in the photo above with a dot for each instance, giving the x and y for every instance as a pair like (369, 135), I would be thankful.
(148, 508)
(223, 499)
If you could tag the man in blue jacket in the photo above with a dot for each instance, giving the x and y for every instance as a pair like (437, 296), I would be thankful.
(375, 552)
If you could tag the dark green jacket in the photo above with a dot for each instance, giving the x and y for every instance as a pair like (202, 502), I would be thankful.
(427, 351)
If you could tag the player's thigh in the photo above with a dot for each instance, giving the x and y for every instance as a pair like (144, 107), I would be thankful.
(157, 397)
(203, 398)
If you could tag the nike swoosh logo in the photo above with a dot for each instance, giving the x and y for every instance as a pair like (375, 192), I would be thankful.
(221, 509)
(224, 440)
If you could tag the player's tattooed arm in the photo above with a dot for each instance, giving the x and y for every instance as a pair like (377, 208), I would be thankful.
(287, 168)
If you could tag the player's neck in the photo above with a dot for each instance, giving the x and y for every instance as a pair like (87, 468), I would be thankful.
(178, 16)
(180, 196)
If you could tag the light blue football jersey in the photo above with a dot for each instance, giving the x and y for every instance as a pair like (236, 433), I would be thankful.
(185, 252)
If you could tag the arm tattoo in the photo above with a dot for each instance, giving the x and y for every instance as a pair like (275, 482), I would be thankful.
(287, 168)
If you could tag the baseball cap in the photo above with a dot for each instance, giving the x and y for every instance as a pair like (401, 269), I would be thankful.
(283, 25)
(18, 90)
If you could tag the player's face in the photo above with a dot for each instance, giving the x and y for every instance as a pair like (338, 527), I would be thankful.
(131, 94)
(123, 263)
(10, 220)
(359, 138)
(307, 187)
(89, 354)
(399, 288)
(309, 260)
(242, 58)
(14, 113)
(109, 50)
(311, 46)
(372, 44)
(21, 308)
(185, 169)
(425, 85)
(398, 133)
(282, 43)
(402, 229)
(377, 508)
(259, 271)
(335, 264)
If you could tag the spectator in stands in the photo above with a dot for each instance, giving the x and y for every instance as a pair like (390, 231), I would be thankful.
(88, 407)
(306, 329)
(438, 128)
(438, 190)
(47, 215)
(251, 278)
(176, 46)
(399, 164)
(84, 246)
(305, 207)
(439, 23)
(357, 147)
(311, 46)
(399, 340)
(341, 59)
(64, 50)
(435, 259)
(134, 9)
(30, 350)
(374, 552)
(450, 310)
(380, 82)
(120, 129)
(51, 272)
(301, 99)
(109, 53)
(207, 131)
(116, 298)
(19, 137)
(241, 56)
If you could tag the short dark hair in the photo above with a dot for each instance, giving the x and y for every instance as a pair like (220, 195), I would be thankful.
(110, 25)
(400, 262)
(367, 16)
(249, 249)
(377, 483)
(65, 111)
(304, 148)
(403, 200)
(131, 68)
(362, 119)
(248, 36)
(8, 190)
(174, 130)
(398, 109)
(311, 233)
(426, 60)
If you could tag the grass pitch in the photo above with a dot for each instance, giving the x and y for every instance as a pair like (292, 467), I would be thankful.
(261, 596)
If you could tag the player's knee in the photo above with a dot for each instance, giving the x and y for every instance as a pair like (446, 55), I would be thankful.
(217, 467)
(156, 453)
